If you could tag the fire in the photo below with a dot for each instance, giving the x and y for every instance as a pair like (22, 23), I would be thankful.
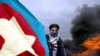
(85, 53)
(92, 45)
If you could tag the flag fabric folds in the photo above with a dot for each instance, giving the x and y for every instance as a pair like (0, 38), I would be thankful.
(16, 36)
(36, 26)
(12, 37)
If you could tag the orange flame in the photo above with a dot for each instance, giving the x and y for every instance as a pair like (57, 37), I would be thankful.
(92, 45)
(86, 53)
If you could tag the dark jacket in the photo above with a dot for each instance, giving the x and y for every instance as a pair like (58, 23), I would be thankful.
(60, 48)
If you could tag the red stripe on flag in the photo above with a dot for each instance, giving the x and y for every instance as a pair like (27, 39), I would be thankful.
(7, 12)
(26, 53)
(1, 42)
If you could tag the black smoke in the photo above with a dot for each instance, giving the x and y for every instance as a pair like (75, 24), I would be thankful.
(69, 47)
(86, 24)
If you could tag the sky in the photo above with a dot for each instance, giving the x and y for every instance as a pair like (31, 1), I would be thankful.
(61, 12)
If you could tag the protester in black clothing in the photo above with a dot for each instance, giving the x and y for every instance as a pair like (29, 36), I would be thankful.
(54, 41)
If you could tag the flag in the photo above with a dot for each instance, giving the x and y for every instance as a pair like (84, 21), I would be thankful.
(31, 20)
(23, 28)
(14, 42)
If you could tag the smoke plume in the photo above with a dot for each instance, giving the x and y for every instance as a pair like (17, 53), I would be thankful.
(85, 25)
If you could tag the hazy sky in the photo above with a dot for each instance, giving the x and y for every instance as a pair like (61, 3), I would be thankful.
(57, 11)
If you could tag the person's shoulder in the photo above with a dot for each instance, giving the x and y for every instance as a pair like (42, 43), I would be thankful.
(60, 40)
(47, 36)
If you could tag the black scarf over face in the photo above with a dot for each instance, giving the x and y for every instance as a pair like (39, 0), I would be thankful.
(54, 34)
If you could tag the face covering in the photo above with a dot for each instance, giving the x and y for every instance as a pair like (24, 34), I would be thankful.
(53, 34)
